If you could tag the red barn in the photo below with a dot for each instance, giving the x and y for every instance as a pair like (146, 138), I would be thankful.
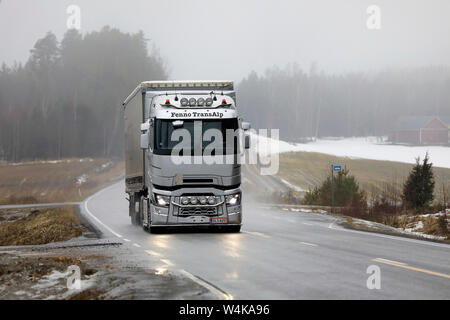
(421, 130)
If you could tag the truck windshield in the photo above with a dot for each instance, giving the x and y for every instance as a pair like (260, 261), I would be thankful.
(165, 127)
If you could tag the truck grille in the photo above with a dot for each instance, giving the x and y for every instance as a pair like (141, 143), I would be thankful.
(198, 211)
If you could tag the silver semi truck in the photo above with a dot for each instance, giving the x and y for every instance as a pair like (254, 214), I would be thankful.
(172, 188)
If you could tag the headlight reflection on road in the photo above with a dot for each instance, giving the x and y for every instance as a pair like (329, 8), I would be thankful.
(161, 241)
(160, 270)
(232, 245)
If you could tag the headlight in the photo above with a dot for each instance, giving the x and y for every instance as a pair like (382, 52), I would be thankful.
(162, 201)
(233, 199)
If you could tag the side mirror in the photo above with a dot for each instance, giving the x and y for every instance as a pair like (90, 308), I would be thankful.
(247, 141)
(246, 126)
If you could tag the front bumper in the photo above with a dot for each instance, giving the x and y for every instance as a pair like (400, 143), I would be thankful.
(212, 215)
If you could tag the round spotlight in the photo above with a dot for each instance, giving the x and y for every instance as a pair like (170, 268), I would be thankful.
(209, 102)
(202, 200)
(201, 102)
(192, 102)
(211, 200)
(184, 102)
(184, 200)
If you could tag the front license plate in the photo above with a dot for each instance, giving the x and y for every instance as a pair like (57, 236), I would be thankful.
(218, 220)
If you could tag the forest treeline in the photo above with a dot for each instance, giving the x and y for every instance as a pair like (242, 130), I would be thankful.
(65, 100)
(314, 104)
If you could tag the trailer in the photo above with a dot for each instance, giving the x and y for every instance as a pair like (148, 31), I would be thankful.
(183, 145)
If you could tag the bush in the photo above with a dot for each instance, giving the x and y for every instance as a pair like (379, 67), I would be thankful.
(346, 192)
(419, 187)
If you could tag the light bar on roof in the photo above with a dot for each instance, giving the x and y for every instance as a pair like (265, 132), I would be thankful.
(212, 84)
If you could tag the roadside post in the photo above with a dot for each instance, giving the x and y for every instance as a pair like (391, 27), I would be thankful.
(334, 168)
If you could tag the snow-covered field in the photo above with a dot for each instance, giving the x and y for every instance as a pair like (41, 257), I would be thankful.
(361, 147)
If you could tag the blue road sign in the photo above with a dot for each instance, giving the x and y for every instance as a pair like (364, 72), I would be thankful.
(337, 168)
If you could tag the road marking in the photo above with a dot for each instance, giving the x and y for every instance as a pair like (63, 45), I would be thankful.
(258, 234)
(330, 226)
(309, 244)
(392, 261)
(217, 291)
(398, 238)
(208, 286)
(136, 245)
(98, 220)
(167, 261)
(404, 266)
(307, 224)
(126, 240)
(153, 253)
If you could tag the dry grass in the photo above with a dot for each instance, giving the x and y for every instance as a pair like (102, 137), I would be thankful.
(51, 225)
(309, 169)
(58, 181)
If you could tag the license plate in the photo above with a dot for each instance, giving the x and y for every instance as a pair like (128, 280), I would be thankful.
(218, 220)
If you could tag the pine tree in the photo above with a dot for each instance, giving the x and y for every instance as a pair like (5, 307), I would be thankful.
(419, 187)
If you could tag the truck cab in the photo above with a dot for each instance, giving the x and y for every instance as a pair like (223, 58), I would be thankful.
(183, 145)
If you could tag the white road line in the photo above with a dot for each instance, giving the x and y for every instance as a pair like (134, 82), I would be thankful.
(208, 286)
(126, 240)
(153, 253)
(167, 261)
(398, 238)
(392, 261)
(309, 244)
(197, 280)
(136, 245)
(330, 226)
(98, 220)
(307, 224)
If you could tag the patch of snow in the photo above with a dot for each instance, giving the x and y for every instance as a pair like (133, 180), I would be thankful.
(357, 147)
(51, 280)
(82, 179)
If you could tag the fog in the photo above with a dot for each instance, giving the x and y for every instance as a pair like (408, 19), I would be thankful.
(335, 68)
(228, 39)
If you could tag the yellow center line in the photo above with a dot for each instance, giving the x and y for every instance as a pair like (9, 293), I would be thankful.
(259, 234)
(443, 275)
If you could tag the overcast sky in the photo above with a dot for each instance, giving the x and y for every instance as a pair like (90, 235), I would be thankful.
(227, 39)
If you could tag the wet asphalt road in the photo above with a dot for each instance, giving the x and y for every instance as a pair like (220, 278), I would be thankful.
(285, 255)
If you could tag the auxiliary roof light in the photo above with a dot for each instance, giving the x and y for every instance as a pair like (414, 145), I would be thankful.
(224, 101)
(167, 101)
(201, 102)
(184, 102)
(209, 102)
(192, 102)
